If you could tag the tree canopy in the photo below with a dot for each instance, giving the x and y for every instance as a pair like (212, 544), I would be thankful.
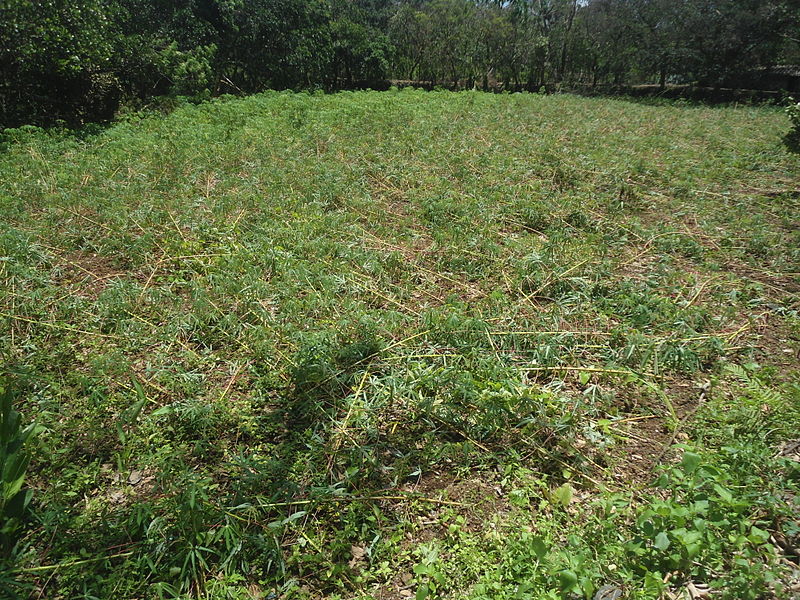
(79, 60)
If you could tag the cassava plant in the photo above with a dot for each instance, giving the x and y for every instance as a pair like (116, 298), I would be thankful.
(13, 464)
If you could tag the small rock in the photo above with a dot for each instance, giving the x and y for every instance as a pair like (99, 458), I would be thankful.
(358, 555)
(691, 591)
(135, 477)
(608, 592)
(791, 450)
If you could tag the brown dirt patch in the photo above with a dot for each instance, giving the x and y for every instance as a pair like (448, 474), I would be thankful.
(650, 437)
(781, 286)
(87, 273)
(775, 343)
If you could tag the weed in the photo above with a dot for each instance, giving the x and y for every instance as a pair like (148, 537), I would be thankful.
(14, 498)
(792, 139)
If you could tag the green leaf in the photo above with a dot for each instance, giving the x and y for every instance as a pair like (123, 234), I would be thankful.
(422, 592)
(562, 495)
(662, 541)
(692, 550)
(724, 494)
(14, 487)
(135, 410)
(690, 461)
(648, 528)
(567, 579)
(164, 410)
(758, 536)
(15, 508)
(539, 547)
(120, 432)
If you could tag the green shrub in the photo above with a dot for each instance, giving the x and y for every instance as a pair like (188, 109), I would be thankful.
(13, 464)
(792, 138)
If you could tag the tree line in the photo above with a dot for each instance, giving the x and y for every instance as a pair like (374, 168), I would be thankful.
(77, 60)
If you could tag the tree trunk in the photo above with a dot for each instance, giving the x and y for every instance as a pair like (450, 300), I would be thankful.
(562, 66)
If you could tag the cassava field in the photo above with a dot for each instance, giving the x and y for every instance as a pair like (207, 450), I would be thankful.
(405, 345)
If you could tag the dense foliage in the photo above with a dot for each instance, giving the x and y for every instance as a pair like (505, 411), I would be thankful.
(288, 346)
(79, 60)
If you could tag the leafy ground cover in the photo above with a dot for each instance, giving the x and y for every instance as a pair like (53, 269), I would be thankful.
(406, 344)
